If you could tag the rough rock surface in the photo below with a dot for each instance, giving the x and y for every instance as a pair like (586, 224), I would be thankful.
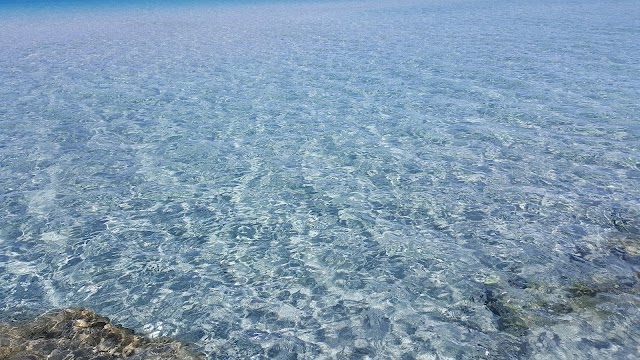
(79, 333)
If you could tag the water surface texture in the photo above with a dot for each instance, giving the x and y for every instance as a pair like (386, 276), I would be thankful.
(423, 179)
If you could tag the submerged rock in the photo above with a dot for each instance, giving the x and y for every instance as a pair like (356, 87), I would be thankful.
(627, 247)
(79, 333)
(519, 305)
(510, 316)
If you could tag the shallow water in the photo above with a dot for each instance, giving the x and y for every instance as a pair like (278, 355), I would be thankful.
(428, 179)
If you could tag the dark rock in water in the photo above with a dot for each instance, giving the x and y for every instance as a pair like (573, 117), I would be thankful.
(611, 285)
(78, 333)
(509, 318)
(581, 289)
(625, 246)
(518, 282)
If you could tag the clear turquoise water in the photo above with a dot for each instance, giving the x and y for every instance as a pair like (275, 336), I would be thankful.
(422, 179)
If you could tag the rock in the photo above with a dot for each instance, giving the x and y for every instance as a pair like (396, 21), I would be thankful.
(79, 333)
(510, 318)
(625, 246)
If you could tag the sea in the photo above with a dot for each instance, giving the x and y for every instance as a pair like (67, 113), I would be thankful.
(365, 179)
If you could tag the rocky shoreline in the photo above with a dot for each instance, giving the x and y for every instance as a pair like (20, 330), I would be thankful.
(80, 333)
